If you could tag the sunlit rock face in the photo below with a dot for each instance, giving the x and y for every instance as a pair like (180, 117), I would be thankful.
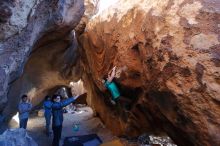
(91, 8)
(171, 54)
(38, 50)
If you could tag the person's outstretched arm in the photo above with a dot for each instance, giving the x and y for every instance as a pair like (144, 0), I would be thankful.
(112, 75)
(68, 101)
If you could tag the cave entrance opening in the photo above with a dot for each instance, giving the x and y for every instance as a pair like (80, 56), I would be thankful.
(77, 114)
(74, 89)
(65, 91)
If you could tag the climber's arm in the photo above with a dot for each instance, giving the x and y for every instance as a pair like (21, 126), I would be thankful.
(112, 74)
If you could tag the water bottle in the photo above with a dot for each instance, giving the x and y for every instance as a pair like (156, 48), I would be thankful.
(76, 126)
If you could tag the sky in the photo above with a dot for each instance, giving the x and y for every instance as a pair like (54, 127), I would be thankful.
(104, 4)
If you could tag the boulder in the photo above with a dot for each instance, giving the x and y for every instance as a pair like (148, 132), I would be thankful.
(170, 52)
(16, 137)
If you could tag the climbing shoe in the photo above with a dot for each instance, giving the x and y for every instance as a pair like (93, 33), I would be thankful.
(112, 102)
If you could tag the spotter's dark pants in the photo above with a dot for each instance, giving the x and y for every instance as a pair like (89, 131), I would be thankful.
(57, 130)
(23, 123)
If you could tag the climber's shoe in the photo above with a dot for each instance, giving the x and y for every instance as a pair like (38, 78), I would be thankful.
(112, 102)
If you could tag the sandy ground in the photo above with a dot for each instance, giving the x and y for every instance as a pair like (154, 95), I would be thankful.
(88, 125)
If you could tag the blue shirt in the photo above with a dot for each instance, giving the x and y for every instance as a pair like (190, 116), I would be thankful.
(57, 111)
(24, 108)
(47, 107)
(111, 86)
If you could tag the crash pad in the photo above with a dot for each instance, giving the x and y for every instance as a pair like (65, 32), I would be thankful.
(83, 140)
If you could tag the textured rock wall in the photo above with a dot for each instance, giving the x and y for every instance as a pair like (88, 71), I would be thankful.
(171, 51)
(15, 16)
(38, 34)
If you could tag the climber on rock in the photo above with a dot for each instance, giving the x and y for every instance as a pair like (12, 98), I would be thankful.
(24, 108)
(112, 87)
(47, 113)
(57, 113)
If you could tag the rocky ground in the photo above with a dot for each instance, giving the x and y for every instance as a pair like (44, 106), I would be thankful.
(88, 125)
